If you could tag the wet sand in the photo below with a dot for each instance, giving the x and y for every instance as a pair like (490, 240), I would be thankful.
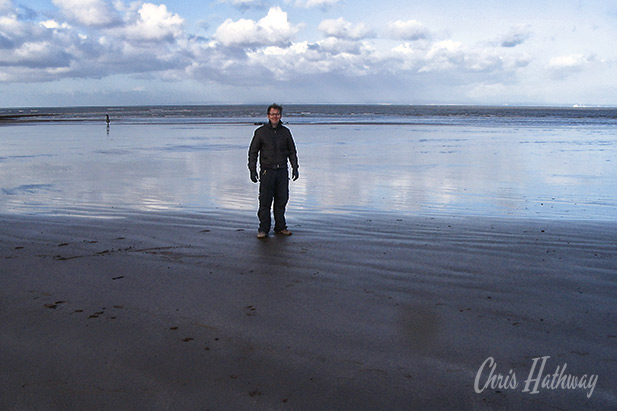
(363, 311)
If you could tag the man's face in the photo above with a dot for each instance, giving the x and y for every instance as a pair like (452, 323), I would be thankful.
(274, 116)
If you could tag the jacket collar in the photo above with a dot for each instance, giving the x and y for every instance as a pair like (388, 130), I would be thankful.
(277, 126)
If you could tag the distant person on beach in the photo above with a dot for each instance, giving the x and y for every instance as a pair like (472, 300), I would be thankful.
(274, 145)
(107, 119)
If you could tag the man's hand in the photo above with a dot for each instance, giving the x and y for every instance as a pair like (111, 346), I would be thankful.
(254, 176)
(295, 174)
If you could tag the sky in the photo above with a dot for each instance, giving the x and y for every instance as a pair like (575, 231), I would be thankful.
(489, 52)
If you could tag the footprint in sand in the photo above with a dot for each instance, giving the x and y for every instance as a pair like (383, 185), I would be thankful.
(250, 310)
(54, 305)
(97, 314)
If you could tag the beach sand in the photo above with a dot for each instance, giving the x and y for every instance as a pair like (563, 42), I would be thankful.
(363, 311)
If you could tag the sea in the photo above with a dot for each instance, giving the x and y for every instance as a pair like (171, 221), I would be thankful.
(499, 162)
(323, 114)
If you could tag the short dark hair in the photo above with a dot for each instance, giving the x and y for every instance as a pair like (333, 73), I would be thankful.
(276, 107)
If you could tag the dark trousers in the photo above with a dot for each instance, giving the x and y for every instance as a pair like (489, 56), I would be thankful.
(274, 185)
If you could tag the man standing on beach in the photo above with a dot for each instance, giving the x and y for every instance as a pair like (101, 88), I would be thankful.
(274, 145)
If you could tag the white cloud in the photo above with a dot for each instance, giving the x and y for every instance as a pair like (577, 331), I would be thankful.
(274, 29)
(342, 29)
(404, 49)
(154, 23)
(14, 32)
(331, 56)
(245, 4)
(287, 63)
(49, 50)
(456, 57)
(444, 55)
(516, 36)
(562, 67)
(95, 13)
(406, 58)
(324, 4)
(336, 46)
(240, 3)
(52, 24)
(570, 62)
(149, 41)
(38, 55)
(6, 5)
(411, 30)
(30, 51)
(10, 26)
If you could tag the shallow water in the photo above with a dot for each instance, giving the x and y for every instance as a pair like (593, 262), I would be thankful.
(499, 169)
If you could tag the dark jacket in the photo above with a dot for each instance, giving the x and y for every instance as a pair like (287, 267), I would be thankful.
(274, 146)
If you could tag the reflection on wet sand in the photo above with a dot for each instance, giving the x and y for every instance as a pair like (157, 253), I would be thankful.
(413, 169)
